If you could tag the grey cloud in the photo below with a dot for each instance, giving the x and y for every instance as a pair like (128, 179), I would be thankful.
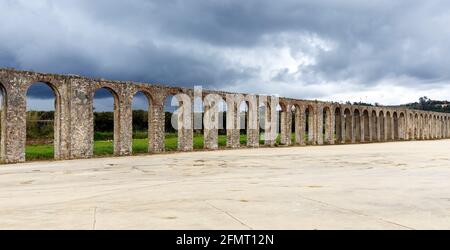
(170, 41)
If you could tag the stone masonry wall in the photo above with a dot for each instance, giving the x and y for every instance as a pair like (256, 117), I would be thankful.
(312, 122)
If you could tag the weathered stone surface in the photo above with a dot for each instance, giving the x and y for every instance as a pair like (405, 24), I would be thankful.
(315, 122)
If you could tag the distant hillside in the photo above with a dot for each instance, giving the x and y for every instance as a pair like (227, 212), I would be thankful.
(425, 103)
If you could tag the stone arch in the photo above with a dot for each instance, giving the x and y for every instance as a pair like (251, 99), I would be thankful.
(146, 114)
(356, 126)
(244, 121)
(375, 126)
(348, 117)
(56, 117)
(366, 126)
(382, 126)
(116, 119)
(338, 124)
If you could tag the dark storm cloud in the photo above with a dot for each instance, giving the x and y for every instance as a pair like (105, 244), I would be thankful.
(184, 43)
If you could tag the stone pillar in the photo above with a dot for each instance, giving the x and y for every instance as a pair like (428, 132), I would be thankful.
(185, 122)
(286, 125)
(319, 125)
(299, 127)
(270, 120)
(402, 127)
(423, 125)
(312, 125)
(433, 124)
(362, 127)
(330, 124)
(156, 128)
(343, 126)
(125, 141)
(81, 118)
(211, 121)
(353, 129)
(14, 134)
(386, 132)
(233, 120)
(62, 122)
(447, 127)
(391, 133)
(379, 126)
(252, 121)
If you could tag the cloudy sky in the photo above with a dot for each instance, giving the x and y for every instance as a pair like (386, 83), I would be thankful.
(388, 52)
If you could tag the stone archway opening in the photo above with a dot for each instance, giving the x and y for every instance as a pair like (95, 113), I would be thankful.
(293, 124)
(106, 119)
(244, 123)
(170, 123)
(42, 125)
(141, 119)
(198, 129)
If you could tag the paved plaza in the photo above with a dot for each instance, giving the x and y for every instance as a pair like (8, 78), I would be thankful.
(398, 185)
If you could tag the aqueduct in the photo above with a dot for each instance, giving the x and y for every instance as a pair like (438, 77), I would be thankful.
(315, 122)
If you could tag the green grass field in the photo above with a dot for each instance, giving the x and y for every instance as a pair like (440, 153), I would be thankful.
(140, 145)
(105, 147)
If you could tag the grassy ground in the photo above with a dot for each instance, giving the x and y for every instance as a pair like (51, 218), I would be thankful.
(105, 147)
(140, 146)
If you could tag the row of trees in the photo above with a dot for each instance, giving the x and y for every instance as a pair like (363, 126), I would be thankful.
(425, 103)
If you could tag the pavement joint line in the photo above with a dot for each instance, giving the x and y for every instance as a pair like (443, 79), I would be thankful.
(356, 212)
(230, 215)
